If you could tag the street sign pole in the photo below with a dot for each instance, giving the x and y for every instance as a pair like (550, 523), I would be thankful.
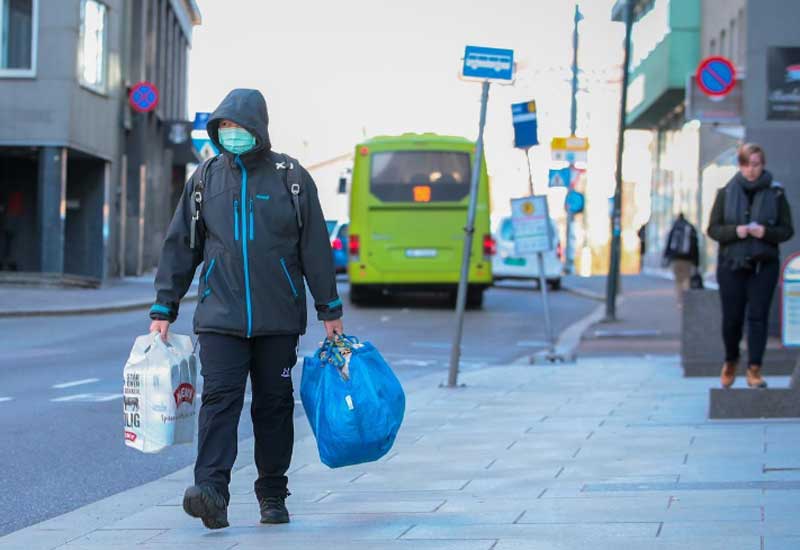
(612, 281)
(530, 171)
(469, 230)
(569, 253)
(551, 340)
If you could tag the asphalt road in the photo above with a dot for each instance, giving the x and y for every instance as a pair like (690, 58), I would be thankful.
(61, 380)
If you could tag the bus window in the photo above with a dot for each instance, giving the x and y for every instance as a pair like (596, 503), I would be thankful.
(398, 176)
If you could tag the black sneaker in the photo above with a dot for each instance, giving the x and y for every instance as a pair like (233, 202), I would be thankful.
(273, 509)
(208, 504)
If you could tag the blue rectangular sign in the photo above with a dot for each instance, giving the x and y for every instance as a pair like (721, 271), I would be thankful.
(523, 116)
(488, 63)
(559, 178)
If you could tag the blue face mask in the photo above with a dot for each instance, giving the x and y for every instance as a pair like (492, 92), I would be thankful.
(236, 140)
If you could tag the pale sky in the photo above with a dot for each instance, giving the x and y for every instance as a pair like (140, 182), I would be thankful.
(334, 72)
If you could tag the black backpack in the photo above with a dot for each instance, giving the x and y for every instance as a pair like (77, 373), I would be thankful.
(681, 240)
(292, 182)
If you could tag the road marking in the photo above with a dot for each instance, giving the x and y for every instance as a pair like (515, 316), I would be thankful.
(437, 345)
(88, 397)
(4, 399)
(531, 343)
(385, 319)
(75, 383)
(413, 363)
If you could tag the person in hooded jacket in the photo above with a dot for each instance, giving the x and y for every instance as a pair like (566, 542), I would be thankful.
(258, 239)
(749, 219)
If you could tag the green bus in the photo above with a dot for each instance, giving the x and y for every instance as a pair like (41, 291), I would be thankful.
(408, 209)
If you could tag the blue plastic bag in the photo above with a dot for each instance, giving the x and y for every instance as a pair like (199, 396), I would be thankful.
(353, 401)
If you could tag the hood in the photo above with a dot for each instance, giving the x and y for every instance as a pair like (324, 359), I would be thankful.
(248, 109)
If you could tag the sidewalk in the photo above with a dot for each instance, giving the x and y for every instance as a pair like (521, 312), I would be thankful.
(119, 295)
(606, 453)
(648, 319)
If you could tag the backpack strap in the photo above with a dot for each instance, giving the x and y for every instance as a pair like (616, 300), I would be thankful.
(197, 199)
(292, 182)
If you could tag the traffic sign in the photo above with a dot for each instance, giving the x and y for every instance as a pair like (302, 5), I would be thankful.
(574, 202)
(143, 97)
(790, 301)
(716, 76)
(560, 178)
(531, 222)
(200, 120)
(205, 147)
(569, 149)
(488, 63)
(523, 116)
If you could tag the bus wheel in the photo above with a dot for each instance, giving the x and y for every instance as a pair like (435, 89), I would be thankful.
(474, 298)
(358, 294)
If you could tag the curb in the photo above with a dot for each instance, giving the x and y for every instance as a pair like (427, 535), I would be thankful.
(583, 293)
(89, 310)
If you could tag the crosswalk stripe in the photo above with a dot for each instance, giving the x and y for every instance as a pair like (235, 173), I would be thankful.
(4, 399)
(63, 385)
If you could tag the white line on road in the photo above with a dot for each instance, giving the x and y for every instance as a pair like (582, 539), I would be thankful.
(63, 385)
(437, 345)
(4, 399)
(88, 397)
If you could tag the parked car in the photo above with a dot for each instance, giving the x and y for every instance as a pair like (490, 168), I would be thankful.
(506, 264)
(337, 231)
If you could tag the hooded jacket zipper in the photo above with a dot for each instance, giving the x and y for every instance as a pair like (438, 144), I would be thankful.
(252, 232)
(244, 249)
(207, 291)
(235, 220)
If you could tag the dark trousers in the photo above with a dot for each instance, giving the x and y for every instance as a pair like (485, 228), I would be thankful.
(226, 362)
(747, 290)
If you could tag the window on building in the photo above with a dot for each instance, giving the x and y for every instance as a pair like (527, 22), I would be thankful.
(723, 46)
(18, 37)
(712, 47)
(92, 54)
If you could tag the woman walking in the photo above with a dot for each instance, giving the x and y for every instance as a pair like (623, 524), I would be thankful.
(749, 219)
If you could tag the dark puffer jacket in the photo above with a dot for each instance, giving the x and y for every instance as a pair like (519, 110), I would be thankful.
(255, 254)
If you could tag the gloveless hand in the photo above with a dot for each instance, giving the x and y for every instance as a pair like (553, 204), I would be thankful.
(333, 327)
(742, 231)
(756, 231)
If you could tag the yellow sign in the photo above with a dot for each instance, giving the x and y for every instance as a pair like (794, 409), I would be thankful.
(570, 143)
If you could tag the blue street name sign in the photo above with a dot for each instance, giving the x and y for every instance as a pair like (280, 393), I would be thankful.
(523, 116)
(488, 63)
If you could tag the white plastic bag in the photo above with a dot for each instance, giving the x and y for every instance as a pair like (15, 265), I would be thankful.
(160, 383)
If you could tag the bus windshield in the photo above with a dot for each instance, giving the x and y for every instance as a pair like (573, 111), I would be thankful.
(420, 176)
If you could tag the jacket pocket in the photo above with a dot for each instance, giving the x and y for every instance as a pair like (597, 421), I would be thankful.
(235, 220)
(289, 278)
(207, 291)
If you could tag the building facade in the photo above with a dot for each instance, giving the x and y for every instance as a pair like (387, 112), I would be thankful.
(695, 139)
(87, 183)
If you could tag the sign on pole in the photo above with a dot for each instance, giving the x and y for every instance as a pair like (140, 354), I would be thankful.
(201, 120)
(559, 178)
(716, 76)
(523, 116)
(570, 149)
(488, 64)
(574, 202)
(790, 302)
(531, 222)
(143, 97)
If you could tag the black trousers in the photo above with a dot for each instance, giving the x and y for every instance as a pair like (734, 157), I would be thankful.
(226, 362)
(747, 290)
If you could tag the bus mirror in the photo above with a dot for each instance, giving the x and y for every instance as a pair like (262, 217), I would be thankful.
(342, 185)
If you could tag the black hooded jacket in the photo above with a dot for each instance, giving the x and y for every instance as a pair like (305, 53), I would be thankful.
(255, 255)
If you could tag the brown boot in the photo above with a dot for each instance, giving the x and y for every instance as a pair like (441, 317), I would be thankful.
(754, 378)
(728, 375)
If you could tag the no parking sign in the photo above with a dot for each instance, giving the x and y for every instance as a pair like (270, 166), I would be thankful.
(143, 97)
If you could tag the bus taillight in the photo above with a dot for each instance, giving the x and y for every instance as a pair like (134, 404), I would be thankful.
(489, 246)
(337, 244)
(354, 246)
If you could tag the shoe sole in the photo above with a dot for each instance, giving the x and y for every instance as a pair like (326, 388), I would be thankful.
(198, 505)
(275, 521)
